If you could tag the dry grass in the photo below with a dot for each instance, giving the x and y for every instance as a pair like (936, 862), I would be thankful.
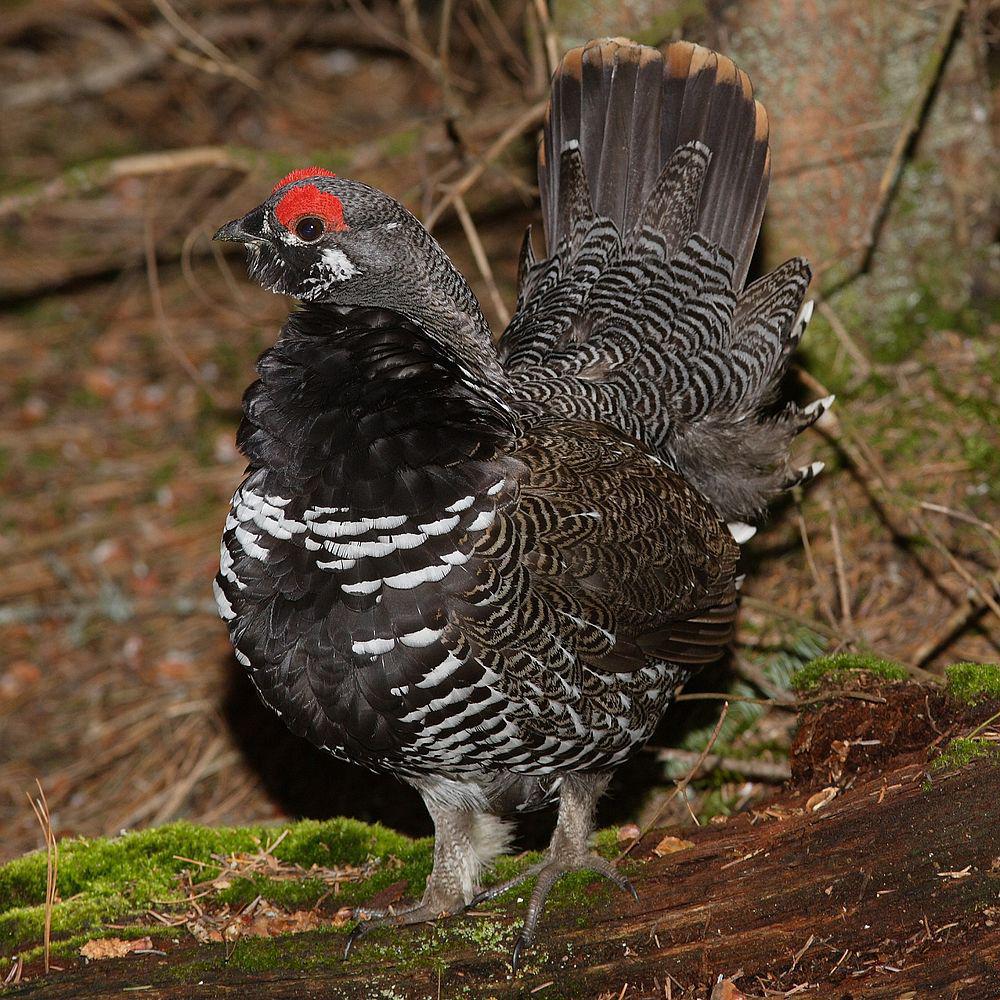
(40, 807)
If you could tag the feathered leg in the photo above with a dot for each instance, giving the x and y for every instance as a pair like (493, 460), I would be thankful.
(568, 852)
(464, 842)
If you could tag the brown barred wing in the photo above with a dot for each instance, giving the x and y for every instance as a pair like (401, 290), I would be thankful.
(609, 580)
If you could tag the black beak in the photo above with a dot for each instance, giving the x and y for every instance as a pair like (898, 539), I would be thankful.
(249, 229)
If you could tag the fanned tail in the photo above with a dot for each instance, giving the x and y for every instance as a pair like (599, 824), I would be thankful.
(629, 109)
(653, 172)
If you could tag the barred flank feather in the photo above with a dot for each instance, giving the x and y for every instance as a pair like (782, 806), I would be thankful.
(654, 171)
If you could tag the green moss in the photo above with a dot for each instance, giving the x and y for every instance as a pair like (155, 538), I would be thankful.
(926, 310)
(508, 866)
(403, 949)
(606, 842)
(292, 894)
(831, 669)
(106, 879)
(84, 399)
(42, 459)
(487, 935)
(981, 454)
(164, 474)
(311, 951)
(662, 26)
(409, 862)
(580, 892)
(962, 751)
(820, 353)
(974, 682)
(899, 340)
(394, 950)
(975, 411)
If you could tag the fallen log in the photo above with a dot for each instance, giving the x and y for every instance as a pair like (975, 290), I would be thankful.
(876, 876)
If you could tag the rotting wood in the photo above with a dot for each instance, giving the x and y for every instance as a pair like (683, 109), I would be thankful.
(885, 915)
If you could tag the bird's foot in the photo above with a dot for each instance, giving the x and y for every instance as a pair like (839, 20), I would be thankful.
(493, 891)
(424, 911)
(549, 872)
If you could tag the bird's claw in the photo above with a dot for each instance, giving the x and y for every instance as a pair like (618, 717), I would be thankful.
(425, 911)
(359, 932)
(527, 933)
(515, 959)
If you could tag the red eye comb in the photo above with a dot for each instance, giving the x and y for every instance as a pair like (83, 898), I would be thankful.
(301, 174)
(307, 199)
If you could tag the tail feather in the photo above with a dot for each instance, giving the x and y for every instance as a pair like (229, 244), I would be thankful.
(672, 205)
(630, 108)
(526, 258)
(768, 324)
(654, 171)
(795, 419)
(574, 194)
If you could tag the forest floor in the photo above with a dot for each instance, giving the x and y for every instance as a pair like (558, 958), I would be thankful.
(801, 894)
(127, 339)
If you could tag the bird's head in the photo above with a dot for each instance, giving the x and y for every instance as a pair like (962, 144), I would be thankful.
(323, 238)
(329, 240)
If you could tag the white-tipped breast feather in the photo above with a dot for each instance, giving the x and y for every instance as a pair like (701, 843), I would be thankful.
(741, 532)
(819, 405)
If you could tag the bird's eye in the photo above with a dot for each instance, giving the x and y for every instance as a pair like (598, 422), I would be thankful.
(309, 229)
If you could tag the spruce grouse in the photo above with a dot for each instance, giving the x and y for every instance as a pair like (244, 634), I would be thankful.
(487, 569)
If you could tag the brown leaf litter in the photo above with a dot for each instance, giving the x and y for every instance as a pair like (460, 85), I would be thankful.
(102, 948)
(259, 919)
(670, 845)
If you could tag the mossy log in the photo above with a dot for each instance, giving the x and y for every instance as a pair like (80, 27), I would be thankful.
(887, 888)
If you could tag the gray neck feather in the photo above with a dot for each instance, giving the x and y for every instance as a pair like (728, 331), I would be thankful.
(423, 285)
(447, 308)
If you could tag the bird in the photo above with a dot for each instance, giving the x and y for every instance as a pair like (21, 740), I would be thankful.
(487, 566)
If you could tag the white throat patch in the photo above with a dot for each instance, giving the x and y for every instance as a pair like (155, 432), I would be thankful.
(332, 267)
(338, 263)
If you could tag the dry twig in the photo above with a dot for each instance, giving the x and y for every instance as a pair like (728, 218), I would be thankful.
(910, 522)
(862, 364)
(210, 49)
(905, 141)
(548, 35)
(514, 53)
(151, 36)
(814, 573)
(13, 976)
(843, 590)
(482, 260)
(163, 323)
(103, 173)
(682, 784)
(774, 772)
(414, 45)
(966, 614)
(523, 123)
